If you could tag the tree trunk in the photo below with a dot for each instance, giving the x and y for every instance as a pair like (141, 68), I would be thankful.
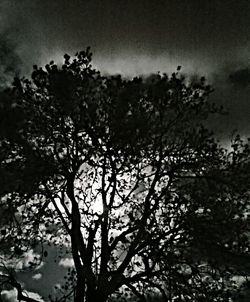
(80, 292)
(95, 296)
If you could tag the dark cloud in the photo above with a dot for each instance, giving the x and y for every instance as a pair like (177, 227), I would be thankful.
(10, 62)
(211, 31)
(240, 78)
(210, 38)
(232, 92)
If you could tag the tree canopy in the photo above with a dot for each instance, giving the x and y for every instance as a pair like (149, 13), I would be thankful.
(126, 176)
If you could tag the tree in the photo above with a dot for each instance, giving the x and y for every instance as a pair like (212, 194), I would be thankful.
(125, 174)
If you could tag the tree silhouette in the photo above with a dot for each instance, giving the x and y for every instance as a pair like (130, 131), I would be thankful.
(125, 175)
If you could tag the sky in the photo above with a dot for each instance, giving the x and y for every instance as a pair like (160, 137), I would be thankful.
(210, 38)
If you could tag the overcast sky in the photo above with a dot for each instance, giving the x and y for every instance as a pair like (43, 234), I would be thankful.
(136, 37)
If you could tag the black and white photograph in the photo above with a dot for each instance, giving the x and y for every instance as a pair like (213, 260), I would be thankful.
(124, 151)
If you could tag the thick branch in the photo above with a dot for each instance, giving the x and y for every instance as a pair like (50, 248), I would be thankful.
(57, 209)
(104, 225)
(136, 292)
(141, 230)
(121, 237)
(138, 276)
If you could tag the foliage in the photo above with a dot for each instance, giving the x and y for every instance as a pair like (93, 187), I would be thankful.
(123, 173)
